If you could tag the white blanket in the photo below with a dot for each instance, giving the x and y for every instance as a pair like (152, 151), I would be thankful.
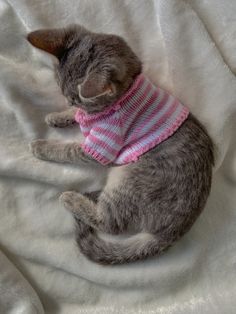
(187, 47)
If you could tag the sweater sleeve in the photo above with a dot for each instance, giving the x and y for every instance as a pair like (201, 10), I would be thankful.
(104, 141)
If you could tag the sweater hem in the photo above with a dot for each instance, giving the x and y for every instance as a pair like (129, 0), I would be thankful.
(101, 159)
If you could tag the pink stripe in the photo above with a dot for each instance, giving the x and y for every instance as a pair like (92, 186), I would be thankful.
(113, 121)
(135, 106)
(130, 93)
(103, 144)
(141, 112)
(85, 130)
(85, 133)
(115, 137)
(158, 108)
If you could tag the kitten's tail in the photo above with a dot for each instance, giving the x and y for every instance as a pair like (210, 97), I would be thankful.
(134, 248)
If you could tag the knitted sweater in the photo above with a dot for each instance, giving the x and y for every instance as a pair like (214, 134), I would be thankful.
(141, 119)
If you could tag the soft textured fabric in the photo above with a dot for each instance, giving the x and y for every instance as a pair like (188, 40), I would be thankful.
(188, 48)
(144, 117)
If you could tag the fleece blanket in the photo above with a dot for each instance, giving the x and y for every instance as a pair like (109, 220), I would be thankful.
(187, 47)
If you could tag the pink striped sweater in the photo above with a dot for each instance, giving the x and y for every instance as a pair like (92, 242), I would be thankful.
(144, 117)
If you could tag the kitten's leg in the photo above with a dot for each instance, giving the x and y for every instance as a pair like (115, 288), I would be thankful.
(93, 196)
(60, 152)
(90, 213)
(61, 119)
(82, 207)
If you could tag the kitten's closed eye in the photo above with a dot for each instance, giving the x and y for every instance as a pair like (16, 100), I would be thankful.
(91, 89)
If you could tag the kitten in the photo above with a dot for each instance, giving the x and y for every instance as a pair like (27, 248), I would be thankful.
(156, 192)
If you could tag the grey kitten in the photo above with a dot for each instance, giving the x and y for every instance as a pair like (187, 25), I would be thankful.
(157, 198)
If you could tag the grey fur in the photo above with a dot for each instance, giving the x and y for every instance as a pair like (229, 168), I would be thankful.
(159, 197)
(61, 119)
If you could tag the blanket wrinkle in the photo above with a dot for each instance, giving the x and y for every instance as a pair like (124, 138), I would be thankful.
(187, 47)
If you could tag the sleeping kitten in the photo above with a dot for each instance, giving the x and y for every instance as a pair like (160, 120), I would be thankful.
(161, 157)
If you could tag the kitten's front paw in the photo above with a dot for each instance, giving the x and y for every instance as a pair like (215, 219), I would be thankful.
(71, 200)
(58, 120)
(38, 148)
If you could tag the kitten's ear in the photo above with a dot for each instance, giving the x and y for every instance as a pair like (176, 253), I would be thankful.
(95, 85)
(50, 40)
(55, 41)
(103, 83)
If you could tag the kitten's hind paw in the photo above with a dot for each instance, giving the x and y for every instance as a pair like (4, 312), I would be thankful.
(71, 200)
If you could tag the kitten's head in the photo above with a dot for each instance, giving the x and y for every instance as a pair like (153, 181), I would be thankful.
(94, 70)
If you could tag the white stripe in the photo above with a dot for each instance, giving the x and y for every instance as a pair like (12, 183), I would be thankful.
(85, 129)
(106, 140)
